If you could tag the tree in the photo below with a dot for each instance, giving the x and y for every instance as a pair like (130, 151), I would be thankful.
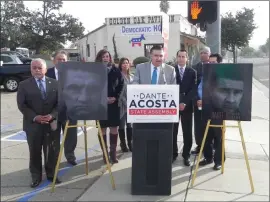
(164, 6)
(265, 48)
(49, 29)
(247, 52)
(13, 16)
(236, 31)
(115, 56)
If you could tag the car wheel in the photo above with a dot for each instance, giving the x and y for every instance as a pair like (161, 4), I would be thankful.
(11, 84)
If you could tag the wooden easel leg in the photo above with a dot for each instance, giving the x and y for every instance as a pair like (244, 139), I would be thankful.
(106, 155)
(59, 156)
(246, 156)
(223, 146)
(85, 148)
(200, 154)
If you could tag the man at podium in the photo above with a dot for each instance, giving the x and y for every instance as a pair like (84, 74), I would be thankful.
(155, 71)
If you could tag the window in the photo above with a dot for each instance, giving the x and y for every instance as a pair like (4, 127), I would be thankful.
(88, 50)
(6, 59)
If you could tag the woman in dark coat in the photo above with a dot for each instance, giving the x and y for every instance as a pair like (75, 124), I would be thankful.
(115, 85)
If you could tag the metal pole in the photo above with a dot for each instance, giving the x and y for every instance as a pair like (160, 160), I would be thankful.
(213, 33)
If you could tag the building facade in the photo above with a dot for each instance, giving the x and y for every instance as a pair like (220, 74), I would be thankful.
(133, 37)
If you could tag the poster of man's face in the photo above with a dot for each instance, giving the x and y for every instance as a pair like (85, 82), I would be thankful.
(82, 90)
(227, 91)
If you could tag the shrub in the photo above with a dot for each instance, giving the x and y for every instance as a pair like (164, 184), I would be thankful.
(140, 60)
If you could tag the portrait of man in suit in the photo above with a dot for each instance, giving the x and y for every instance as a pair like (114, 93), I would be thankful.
(227, 91)
(155, 71)
(83, 90)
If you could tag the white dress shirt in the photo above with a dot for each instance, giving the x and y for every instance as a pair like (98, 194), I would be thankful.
(184, 68)
(158, 71)
(56, 73)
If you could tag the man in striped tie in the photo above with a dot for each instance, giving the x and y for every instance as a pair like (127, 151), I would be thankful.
(37, 100)
(186, 79)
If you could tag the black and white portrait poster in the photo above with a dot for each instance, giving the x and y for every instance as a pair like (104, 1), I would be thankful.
(82, 90)
(227, 91)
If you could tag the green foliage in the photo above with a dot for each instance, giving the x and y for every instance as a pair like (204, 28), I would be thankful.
(43, 29)
(140, 60)
(236, 31)
(265, 48)
(247, 52)
(164, 6)
(115, 56)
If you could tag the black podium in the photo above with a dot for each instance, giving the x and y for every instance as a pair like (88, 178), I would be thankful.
(152, 159)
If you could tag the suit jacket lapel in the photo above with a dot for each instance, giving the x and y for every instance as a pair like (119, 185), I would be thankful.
(185, 74)
(48, 87)
(161, 75)
(149, 75)
(36, 88)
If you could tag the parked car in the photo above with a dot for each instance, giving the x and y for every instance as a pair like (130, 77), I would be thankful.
(25, 60)
(10, 59)
(12, 74)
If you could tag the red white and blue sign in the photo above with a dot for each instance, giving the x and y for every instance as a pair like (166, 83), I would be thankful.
(137, 40)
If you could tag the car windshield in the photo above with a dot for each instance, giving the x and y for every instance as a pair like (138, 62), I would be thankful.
(18, 60)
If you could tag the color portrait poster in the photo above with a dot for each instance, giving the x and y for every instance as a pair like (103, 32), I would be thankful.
(82, 91)
(227, 91)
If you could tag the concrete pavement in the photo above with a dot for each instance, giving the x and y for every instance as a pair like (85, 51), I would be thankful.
(210, 185)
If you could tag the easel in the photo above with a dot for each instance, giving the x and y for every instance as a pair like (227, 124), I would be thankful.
(223, 127)
(86, 152)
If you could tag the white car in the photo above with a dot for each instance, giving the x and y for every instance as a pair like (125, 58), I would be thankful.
(10, 59)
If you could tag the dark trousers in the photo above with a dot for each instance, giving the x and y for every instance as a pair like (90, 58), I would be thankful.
(186, 122)
(199, 126)
(71, 139)
(42, 137)
(214, 140)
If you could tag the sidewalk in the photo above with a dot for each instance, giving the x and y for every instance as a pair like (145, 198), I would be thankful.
(210, 185)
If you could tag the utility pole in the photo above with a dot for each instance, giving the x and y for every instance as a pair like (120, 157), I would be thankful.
(213, 33)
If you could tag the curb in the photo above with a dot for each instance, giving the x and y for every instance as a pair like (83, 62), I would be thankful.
(261, 87)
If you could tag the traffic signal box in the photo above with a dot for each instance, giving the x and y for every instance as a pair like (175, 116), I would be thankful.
(202, 12)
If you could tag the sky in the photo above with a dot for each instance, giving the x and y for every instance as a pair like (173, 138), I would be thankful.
(93, 13)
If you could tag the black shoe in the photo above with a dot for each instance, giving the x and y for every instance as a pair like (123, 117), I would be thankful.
(57, 181)
(73, 162)
(123, 147)
(217, 167)
(196, 150)
(205, 162)
(174, 159)
(187, 162)
(35, 183)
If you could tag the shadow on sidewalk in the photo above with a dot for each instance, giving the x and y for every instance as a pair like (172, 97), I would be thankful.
(71, 177)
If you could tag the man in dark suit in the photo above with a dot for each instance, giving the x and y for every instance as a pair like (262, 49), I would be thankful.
(71, 138)
(37, 100)
(186, 78)
(198, 124)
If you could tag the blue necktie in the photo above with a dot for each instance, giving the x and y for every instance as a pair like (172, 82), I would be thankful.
(154, 76)
(181, 73)
(42, 89)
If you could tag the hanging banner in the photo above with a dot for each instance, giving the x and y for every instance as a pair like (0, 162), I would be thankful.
(145, 29)
(165, 33)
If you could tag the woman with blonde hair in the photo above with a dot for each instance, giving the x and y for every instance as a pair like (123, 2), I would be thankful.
(124, 67)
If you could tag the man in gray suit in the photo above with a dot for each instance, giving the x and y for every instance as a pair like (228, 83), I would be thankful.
(37, 100)
(155, 72)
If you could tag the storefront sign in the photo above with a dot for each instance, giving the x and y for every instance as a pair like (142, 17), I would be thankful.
(137, 20)
(145, 29)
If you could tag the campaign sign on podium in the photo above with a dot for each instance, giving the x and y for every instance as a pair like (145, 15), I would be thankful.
(152, 103)
(152, 109)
